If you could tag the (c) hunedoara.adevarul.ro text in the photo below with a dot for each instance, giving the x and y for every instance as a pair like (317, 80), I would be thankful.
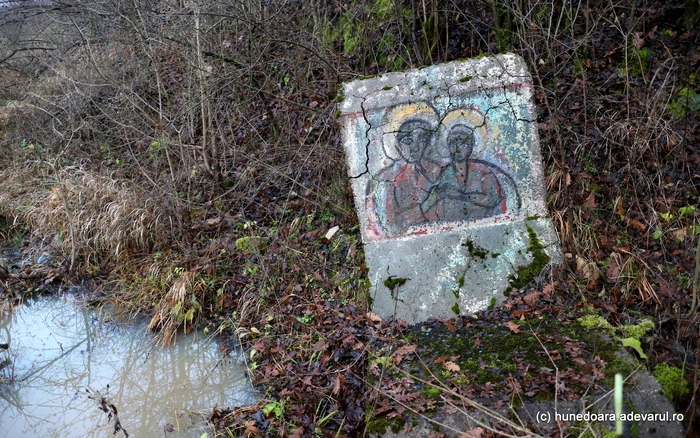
(546, 417)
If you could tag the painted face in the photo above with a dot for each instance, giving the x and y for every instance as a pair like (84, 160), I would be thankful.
(414, 138)
(460, 142)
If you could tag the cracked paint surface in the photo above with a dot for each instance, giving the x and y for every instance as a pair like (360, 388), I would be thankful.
(436, 169)
(437, 156)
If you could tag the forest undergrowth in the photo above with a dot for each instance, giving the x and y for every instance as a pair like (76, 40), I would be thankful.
(183, 158)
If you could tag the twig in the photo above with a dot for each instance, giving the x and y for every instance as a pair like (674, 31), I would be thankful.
(696, 280)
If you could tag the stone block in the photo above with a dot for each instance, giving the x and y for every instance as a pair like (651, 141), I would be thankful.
(447, 177)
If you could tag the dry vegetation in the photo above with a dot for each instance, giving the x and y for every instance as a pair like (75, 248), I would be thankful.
(187, 153)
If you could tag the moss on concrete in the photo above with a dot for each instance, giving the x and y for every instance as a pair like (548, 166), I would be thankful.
(377, 425)
(526, 273)
(476, 251)
(492, 303)
(595, 321)
(671, 380)
(493, 359)
(638, 331)
(393, 282)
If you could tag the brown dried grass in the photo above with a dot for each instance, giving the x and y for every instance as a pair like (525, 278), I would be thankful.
(90, 215)
(180, 306)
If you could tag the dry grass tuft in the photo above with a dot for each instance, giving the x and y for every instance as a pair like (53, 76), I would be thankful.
(89, 215)
(178, 307)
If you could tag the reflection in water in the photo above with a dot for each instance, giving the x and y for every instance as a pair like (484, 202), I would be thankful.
(59, 349)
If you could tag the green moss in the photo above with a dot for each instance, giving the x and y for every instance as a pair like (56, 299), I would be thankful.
(475, 251)
(393, 282)
(432, 393)
(544, 396)
(397, 425)
(638, 331)
(338, 114)
(619, 366)
(460, 281)
(494, 358)
(466, 78)
(687, 100)
(455, 308)
(384, 9)
(387, 88)
(526, 273)
(492, 303)
(671, 380)
(377, 425)
(245, 244)
(594, 321)
(340, 95)
(639, 61)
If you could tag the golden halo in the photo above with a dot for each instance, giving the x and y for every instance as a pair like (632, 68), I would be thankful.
(397, 116)
(470, 116)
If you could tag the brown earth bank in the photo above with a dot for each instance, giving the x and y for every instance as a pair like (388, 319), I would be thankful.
(184, 158)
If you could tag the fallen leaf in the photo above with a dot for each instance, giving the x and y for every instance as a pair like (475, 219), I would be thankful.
(680, 234)
(373, 317)
(250, 428)
(331, 232)
(548, 289)
(532, 297)
(637, 224)
(614, 267)
(587, 269)
(515, 328)
(451, 366)
(336, 384)
(590, 201)
(441, 359)
(215, 221)
(404, 350)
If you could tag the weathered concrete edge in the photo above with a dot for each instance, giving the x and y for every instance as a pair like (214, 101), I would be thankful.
(458, 77)
(448, 257)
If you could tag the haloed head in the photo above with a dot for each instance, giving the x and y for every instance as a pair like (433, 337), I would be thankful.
(460, 142)
(414, 139)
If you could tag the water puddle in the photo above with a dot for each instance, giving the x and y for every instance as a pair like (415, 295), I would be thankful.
(58, 349)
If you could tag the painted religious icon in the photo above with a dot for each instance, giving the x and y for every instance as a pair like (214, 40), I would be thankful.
(435, 172)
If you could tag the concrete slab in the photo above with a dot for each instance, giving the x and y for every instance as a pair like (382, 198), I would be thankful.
(447, 177)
